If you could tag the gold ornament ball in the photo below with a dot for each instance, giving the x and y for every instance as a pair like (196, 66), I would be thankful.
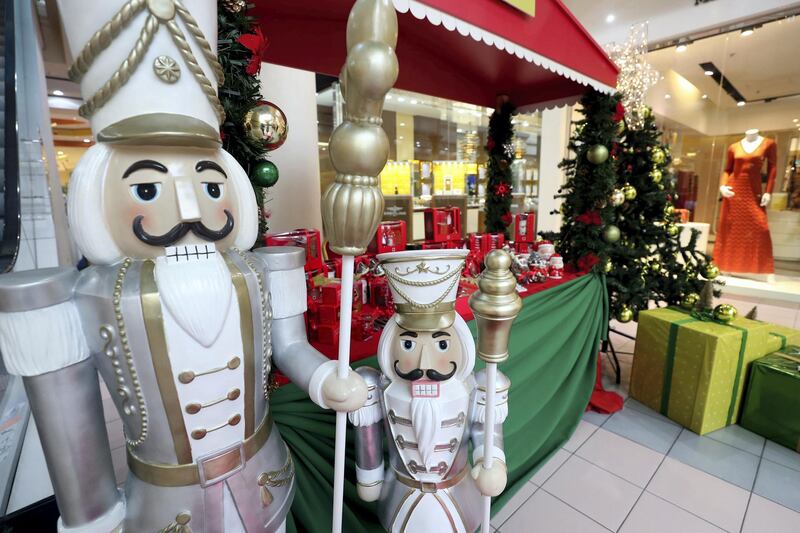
(669, 211)
(629, 191)
(611, 234)
(617, 197)
(656, 175)
(266, 123)
(689, 301)
(673, 230)
(658, 156)
(597, 154)
(725, 313)
(655, 266)
(625, 314)
(233, 6)
(607, 265)
(711, 271)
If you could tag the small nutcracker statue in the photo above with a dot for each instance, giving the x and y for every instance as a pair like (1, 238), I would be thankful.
(181, 322)
(429, 404)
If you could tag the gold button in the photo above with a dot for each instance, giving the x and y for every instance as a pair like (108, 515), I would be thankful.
(183, 518)
(193, 408)
(198, 434)
(235, 419)
(186, 377)
(233, 394)
(234, 363)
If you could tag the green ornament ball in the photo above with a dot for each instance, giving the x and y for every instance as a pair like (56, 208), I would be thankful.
(724, 313)
(629, 191)
(616, 198)
(689, 301)
(673, 230)
(625, 314)
(264, 174)
(656, 176)
(597, 154)
(710, 271)
(658, 156)
(611, 234)
(655, 266)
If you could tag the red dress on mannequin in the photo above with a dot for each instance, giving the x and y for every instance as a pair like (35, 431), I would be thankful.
(743, 241)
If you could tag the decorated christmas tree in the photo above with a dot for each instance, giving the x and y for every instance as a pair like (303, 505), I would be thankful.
(252, 126)
(499, 145)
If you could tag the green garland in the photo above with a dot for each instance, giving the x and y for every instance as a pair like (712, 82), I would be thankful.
(499, 144)
(240, 93)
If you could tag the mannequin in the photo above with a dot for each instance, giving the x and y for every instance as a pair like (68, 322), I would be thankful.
(743, 240)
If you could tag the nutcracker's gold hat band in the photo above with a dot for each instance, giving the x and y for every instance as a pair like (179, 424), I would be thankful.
(161, 129)
(436, 318)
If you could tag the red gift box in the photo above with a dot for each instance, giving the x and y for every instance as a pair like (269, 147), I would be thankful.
(332, 294)
(525, 227)
(328, 314)
(492, 241)
(328, 334)
(442, 224)
(524, 247)
(304, 238)
(390, 237)
(379, 294)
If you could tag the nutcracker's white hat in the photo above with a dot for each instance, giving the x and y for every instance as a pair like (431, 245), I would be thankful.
(424, 285)
(148, 69)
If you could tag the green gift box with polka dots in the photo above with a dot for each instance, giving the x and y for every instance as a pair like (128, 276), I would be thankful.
(694, 371)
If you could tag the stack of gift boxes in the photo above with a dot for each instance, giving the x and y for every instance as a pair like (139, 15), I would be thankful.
(706, 374)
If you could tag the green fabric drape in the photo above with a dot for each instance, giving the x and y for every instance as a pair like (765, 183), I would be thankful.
(552, 368)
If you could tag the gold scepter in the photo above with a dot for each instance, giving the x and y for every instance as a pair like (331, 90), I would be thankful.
(495, 305)
(352, 206)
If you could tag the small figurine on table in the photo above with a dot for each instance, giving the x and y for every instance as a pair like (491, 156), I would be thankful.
(429, 404)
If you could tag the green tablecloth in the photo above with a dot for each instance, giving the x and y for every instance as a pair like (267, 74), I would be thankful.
(552, 367)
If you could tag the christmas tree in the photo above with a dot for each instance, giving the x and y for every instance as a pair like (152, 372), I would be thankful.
(619, 216)
(499, 144)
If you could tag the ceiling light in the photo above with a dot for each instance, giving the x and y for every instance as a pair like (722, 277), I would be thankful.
(459, 130)
(747, 32)
(60, 152)
(740, 103)
(388, 96)
(474, 132)
(401, 99)
(401, 138)
(610, 18)
(526, 124)
(402, 124)
(708, 72)
(58, 93)
(413, 101)
(704, 97)
(681, 48)
(667, 96)
(87, 140)
(795, 120)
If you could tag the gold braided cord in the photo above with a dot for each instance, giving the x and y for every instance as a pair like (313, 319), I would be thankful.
(200, 39)
(195, 69)
(432, 304)
(102, 38)
(430, 283)
(125, 70)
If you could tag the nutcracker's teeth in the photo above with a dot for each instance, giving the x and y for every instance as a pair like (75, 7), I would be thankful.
(425, 389)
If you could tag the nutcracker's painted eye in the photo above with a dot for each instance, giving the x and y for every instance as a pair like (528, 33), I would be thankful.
(146, 192)
(408, 345)
(213, 190)
(443, 345)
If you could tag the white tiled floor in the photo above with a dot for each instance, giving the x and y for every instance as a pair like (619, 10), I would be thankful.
(638, 472)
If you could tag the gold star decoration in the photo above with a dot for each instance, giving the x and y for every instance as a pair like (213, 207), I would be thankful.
(636, 76)
(167, 69)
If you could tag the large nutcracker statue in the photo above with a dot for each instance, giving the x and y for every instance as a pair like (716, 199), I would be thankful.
(427, 402)
(182, 323)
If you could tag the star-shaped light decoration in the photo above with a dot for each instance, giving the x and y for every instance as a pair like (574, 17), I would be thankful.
(636, 76)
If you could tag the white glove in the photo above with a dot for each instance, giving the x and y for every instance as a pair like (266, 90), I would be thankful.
(344, 395)
(726, 191)
(765, 198)
(369, 493)
(491, 481)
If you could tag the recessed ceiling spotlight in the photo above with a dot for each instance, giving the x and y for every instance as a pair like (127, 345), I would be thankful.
(413, 102)
(704, 97)
(741, 103)
(681, 48)
(401, 99)
(708, 72)
(87, 140)
(796, 120)
(610, 18)
(402, 124)
(667, 96)
(747, 32)
(58, 93)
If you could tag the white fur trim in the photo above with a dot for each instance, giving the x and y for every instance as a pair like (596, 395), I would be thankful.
(369, 477)
(477, 454)
(103, 524)
(317, 379)
(421, 11)
(500, 413)
(288, 289)
(43, 340)
(366, 416)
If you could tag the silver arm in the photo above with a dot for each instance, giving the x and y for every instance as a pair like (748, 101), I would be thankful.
(68, 410)
(368, 422)
(292, 353)
(478, 428)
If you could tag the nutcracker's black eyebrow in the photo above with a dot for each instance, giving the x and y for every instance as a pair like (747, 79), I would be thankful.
(409, 334)
(145, 164)
(440, 334)
(209, 165)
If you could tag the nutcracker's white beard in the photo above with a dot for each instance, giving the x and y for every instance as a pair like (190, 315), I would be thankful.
(197, 294)
(425, 417)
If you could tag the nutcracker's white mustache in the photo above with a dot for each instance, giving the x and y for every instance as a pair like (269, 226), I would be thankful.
(197, 294)
(425, 417)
